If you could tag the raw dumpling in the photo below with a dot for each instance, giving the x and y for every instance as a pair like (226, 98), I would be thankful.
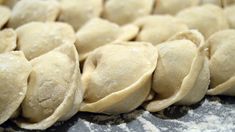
(222, 63)
(5, 14)
(173, 6)
(208, 19)
(230, 13)
(37, 38)
(7, 40)
(117, 77)
(156, 29)
(98, 32)
(182, 73)
(14, 72)
(126, 11)
(78, 12)
(54, 89)
(26, 11)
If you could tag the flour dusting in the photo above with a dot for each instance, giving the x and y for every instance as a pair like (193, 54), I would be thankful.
(147, 125)
(211, 115)
(124, 127)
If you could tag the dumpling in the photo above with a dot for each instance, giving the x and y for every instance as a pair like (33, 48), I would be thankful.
(7, 40)
(229, 12)
(126, 11)
(208, 19)
(54, 89)
(37, 38)
(5, 14)
(98, 32)
(222, 64)
(173, 6)
(182, 73)
(117, 77)
(78, 12)
(14, 72)
(26, 11)
(158, 28)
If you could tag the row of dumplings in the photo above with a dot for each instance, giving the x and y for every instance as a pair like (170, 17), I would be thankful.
(78, 12)
(97, 32)
(40, 60)
(116, 78)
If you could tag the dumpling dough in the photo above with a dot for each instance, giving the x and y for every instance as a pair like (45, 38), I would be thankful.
(117, 77)
(208, 19)
(78, 12)
(222, 64)
(215, 2)
(10, 3)
(37, 38)
(126, 11)
(222, 3)
(14, 72)
(182, 73)
(226, 3)
(173, 6)
(230, 14)
(98, 32)
(7, 40)
(5, 14)
(26, 11)
(54, 89)
(156, 29)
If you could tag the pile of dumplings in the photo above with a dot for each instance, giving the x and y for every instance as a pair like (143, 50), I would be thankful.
(60, 57)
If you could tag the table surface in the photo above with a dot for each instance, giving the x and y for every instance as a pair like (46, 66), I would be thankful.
(212, 114)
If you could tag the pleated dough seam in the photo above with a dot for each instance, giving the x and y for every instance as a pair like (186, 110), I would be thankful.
(223, 87)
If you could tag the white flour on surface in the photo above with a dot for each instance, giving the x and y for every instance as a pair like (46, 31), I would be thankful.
(204, 120)
(210, 116)
(124, 127)
(88, 125)
(147, 125)
(224, 121)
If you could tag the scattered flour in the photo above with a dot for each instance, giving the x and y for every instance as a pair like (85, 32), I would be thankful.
(210, 116)
(124, 127)
(89, 125)
(210, 121)
(147, 125)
